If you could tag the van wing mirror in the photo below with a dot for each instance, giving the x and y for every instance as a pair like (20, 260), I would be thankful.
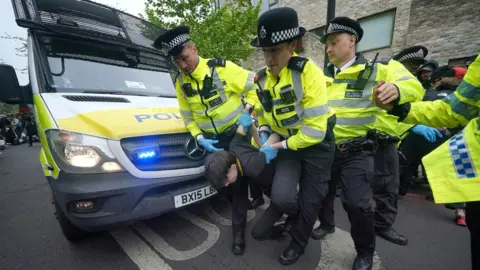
(10, 90)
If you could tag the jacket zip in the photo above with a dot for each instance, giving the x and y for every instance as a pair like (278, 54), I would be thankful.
(273, 109)
(206, 107)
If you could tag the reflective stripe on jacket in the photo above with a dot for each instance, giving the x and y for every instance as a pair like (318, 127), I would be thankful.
(304, 121)
(218, 112)
(355, 110)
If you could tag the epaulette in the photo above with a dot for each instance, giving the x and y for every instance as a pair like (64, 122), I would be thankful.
(297, 63)
(262, 73)
(383, 60)
(216, 62)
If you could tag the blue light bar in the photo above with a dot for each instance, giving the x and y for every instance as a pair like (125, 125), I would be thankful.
(146, 154)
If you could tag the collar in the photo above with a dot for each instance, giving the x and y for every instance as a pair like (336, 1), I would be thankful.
(239, 166)
(199, 70)
(359, 60)
(347, 65)
(284, 70)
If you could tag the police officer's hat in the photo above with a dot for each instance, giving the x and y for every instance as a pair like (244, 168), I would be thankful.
(173, 41)
(277, 26)
(412, 53)
(343, 25)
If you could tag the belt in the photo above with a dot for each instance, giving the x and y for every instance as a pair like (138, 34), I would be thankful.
(384, 140)
(227, 134)
(360, 144)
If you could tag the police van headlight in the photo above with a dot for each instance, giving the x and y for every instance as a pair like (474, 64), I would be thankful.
(79, 153)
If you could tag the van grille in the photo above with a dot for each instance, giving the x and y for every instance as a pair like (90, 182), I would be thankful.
(170, 149)
(97, 99)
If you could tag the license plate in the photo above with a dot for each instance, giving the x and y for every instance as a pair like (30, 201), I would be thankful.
(193, 196)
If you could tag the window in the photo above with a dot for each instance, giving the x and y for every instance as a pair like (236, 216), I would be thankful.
(318, 31)
(272, 2)
(377, 31)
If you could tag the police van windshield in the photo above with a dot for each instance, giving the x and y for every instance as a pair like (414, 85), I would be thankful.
(80, 66)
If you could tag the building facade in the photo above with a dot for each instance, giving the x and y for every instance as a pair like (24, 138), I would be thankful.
(449, 29)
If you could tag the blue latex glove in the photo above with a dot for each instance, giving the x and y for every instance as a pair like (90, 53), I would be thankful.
(245, 120)
(430, 134)
(264, 138)
(269, 152)
(208, 145)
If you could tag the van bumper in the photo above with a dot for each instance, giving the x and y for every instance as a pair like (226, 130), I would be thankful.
(119, 198)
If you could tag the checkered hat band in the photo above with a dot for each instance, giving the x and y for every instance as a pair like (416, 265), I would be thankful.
(285, 34)
(336, 26)
(418, 54)
(178, 40)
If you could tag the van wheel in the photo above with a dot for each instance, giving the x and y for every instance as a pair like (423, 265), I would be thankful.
(70, 231)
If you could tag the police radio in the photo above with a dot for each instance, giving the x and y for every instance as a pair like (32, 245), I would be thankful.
(188, 90)
(264, 96)
(364, 76)
(207, 87)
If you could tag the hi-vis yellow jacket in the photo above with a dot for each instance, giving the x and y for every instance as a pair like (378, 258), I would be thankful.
(355, 109)
(216, 113)
(453, 168)
(304, 121)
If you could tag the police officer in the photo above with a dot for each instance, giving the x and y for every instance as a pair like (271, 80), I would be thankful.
(350, 94)
(293, 99)
(412, 57)
(208, 93)
(452, 168)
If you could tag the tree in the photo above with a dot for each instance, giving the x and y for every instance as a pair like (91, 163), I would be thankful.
(21, 50)
(218, 32)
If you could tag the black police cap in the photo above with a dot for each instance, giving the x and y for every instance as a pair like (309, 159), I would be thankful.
(173, 41)
(411, 53)
(277, 26)
(343, 25)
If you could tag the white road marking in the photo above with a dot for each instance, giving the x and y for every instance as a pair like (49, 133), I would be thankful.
(170, 252)
(140, 253)
(338, 252)
(217, 218)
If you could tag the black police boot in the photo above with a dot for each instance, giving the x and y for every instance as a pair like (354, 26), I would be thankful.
(363, 262)
(291, 254)
(238, 246)
(393, 236)
(256, 203)
(322, 231)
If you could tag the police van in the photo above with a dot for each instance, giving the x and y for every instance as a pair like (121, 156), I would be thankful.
(114, 147)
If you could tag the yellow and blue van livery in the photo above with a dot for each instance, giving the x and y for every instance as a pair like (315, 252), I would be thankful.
(114, 147)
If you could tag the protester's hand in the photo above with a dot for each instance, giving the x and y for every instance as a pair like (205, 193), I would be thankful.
(269, 152)
(246, 121)
(385, 94)
(430, 134)
(208, 145)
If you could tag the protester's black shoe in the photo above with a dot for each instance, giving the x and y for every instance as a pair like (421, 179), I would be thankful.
(238, 246)
(256, 203)
(290, 255)
(321, 232)
(393, 236)
(363, 262)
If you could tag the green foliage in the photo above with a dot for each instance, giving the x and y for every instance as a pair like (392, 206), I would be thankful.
(218, 32)
(7, 108)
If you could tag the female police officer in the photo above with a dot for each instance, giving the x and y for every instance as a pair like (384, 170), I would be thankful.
(293, 97)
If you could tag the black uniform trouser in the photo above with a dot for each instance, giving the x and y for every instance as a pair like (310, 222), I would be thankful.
(385, 186)
(240, 195)
(472, 215)
(413, 148)
(355, 172)
(310, 169)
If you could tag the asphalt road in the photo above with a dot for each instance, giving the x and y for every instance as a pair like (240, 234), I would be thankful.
(199, 236)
